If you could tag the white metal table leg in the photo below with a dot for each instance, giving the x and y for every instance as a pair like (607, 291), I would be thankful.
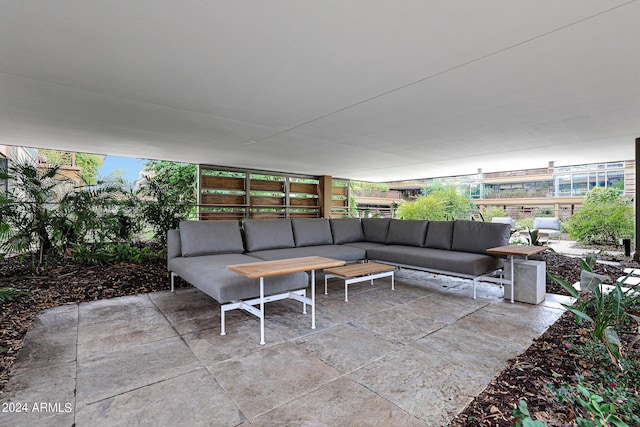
(346, 290)
(222, 328)
(513, 279)
(313, 299)
(262, 311)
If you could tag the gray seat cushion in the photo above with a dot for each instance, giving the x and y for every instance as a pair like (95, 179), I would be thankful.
(406, 232)
(210, 238)
(477, 237)
(341, 252)
(364, 245)
(311, 232)
(436, 259)
(261, 235)
(375, 229)
(346, 230)
(439, 235)
(547, 223)
(210, 274)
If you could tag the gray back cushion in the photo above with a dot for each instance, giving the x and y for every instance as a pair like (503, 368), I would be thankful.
(375, 229)
(210, 238)
(550, 223)
(439, 235)
(311, 232)
(263, 234)
(406, 232)
(477, 237)
(346, 230)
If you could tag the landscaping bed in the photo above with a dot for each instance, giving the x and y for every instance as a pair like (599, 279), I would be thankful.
(554, 359)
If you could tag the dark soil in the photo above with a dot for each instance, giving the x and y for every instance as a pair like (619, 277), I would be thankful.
(66, 282)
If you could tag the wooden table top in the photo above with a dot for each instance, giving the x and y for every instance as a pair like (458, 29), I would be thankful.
(517, 250)
(356, 270)
(255, 270)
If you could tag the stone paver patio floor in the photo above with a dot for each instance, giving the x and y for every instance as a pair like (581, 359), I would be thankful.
(414, 356)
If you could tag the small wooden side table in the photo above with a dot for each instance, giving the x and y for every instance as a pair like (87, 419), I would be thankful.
(513, 251)
(356, 273)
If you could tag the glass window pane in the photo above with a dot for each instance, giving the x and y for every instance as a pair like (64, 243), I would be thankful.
(563, 185)
(579, 184)
(615, 179)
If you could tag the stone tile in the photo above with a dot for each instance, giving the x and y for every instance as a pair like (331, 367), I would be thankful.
(400, 324)
(332, 312)
(41, 348)
(342, 402)
(271, 377)
(120, 334)
(542, 314)
(242, 338)
(47, 395)
(441, 309)
(181, 299)
(193, 399)
(190, 310)
(105, 375)
(286, 318)
(509, 328)
(556, 301)
(429, 388)
(122, 308)
(402, 294)
(470, 347)
(61, 318)
(346, 347)
(485, 291)
(44, 417)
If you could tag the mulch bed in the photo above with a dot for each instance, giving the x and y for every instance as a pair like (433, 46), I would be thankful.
(546, 361)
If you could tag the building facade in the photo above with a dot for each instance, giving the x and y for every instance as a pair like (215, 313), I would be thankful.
(551, 191)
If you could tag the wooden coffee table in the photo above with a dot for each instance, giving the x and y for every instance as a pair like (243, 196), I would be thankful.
(513, 251)
(260, 270)
(356, 273)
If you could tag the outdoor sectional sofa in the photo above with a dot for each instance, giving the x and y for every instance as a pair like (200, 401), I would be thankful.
(200, 251)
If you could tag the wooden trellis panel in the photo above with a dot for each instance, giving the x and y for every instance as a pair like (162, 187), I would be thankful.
(237, 194)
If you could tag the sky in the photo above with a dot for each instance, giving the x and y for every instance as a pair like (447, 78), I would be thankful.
(130, 166)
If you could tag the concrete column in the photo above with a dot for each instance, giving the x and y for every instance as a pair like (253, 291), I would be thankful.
(636, 254)
(324, 196)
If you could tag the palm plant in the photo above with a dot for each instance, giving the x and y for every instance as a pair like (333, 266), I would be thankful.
(28, 218)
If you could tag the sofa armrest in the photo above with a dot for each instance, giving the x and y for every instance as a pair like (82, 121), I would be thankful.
(174, 245)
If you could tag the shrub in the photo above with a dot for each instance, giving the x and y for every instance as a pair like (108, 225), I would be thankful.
(169, 196)
(26, 212)
(441, 204)
(490, 212)
(605, 218)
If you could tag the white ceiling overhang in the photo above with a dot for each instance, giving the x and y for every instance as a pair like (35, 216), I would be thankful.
(378, 91)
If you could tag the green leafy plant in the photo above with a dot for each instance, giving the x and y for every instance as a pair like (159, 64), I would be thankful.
(604, 309)
(111, 253)
(168, 196)
(605, 218)
(438, 205)
(12, 294)
(596, 405)
(27, 211)
(523, 417)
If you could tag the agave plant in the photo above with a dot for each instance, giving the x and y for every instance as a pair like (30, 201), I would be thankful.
(604, 307)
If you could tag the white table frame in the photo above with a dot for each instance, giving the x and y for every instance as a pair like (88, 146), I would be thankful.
(349, 280)
(297, 265)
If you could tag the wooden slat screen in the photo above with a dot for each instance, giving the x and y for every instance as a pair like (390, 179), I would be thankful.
(238, 194)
